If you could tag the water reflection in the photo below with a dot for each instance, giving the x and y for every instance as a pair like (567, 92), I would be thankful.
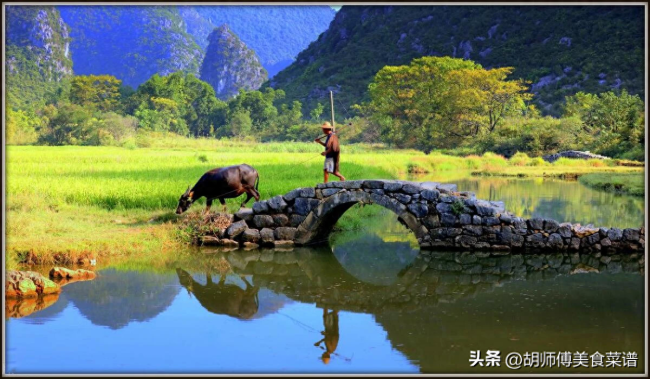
(369, 303)
(116, 298)
(330, 334)
(562, 200)
(429, 315)
(221, 298)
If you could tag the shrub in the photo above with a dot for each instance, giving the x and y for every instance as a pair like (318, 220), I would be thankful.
(538, 161)
(520, 159)
(457, 207)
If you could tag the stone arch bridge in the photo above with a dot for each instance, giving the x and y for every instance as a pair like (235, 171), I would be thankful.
(438, 215)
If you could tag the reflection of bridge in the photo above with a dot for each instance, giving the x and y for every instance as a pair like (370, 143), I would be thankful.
(309, 276)
(431, 312)
(439, 217)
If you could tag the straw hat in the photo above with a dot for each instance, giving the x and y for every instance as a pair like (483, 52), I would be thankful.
(326, 125)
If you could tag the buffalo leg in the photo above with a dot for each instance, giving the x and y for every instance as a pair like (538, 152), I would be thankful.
(248, 197)
(250, 193)
(208, 204)
(223, 204)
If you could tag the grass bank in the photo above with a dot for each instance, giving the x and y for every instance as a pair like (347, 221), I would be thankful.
(119, 202)
(520, 165)
(619, 183)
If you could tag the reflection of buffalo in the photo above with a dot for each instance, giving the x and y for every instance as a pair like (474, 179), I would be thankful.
(222, 298)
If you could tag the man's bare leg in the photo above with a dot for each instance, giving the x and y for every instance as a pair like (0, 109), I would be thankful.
(340, 176)
(327, 175)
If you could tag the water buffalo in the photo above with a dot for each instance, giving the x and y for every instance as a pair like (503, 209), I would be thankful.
(222, 183)
(222, 298)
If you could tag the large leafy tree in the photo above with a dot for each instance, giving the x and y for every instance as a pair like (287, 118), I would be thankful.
(612, 124)
(181, 102)
(437, 102)
(101, 92)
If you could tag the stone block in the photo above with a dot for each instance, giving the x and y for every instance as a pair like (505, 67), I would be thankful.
(555, 241)
(402, 198)
(551, 226)
(210, 241)
(308, 192)
(285, 233)
(491, 221)
(536, 223)
(245, 214)
(592, 239)
(564, 230)
(260, 207)
(411, 189)
(443, 208)
(419, 210)
(448, 219)
(615, 234)
(292, 195)
(392, 186)
(631, 235)
(448, 187)
(303, 206)
(465, 241)
(251, 235)
(236, 229)
(280, 219)
(267, 236)
(430, 195)
(373, 184)
(283, 243)
(506, 219)
(330, 191)
(277, 204)
(296, 220)
(474, 230)
(431, 221)
(263, 221)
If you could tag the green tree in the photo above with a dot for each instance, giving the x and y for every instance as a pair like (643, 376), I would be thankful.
(612, 124)
(316, 112)
(68, 124)
(240, 124)
(438, 102)
(22, 127)
(102, 92)
(195, 110)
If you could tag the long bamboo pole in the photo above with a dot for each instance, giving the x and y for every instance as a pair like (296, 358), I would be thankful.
(332, 105)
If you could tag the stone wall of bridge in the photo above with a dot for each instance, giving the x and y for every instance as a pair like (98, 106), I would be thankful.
(438, 215)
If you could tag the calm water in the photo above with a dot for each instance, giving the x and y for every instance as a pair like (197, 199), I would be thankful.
(369, 302)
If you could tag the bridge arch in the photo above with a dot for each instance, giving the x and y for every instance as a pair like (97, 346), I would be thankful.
(437, 214)
(321, 220)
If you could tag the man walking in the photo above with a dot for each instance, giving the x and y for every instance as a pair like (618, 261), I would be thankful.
(331, 153)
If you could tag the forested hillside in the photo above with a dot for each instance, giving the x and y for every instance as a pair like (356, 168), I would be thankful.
(38, 58)
(560, 50)
(276, 33)
(131, 43)
(229, 65)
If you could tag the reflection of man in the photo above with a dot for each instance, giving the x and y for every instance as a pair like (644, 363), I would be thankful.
(331, 333)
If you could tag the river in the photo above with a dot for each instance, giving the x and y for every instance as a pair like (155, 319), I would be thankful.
(369, 302)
